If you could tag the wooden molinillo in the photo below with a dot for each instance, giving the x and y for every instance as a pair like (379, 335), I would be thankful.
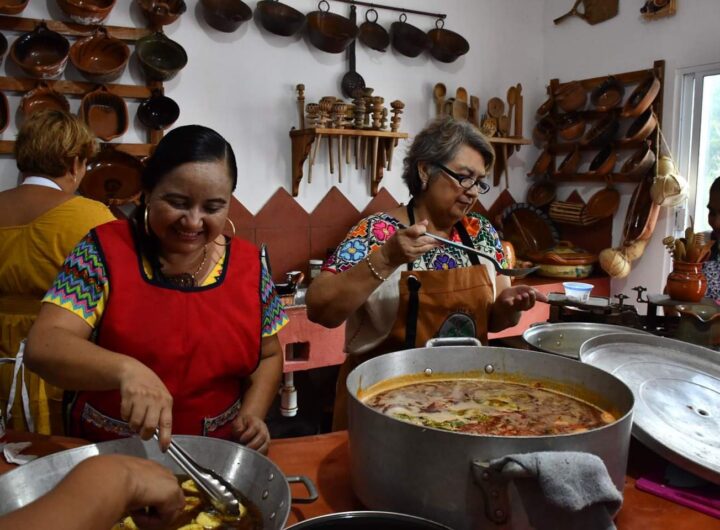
(374, 128)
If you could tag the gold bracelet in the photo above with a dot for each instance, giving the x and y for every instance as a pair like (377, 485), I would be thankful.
(372, 269)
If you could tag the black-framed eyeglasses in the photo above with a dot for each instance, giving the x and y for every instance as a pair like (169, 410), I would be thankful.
(466, 182)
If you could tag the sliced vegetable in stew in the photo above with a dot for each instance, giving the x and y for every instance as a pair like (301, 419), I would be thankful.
(488, 407)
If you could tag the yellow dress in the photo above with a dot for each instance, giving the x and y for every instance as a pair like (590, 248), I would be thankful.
(30, 257)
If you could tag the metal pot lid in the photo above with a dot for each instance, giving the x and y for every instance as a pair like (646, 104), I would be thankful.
(367, 519)
(566, 338)
(677, 395)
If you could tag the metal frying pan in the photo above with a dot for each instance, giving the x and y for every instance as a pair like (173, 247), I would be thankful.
(595, 11)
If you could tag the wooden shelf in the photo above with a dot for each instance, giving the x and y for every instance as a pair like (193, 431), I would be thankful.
(71, 29)
(7, 148)
(73, 88)
(303, 141)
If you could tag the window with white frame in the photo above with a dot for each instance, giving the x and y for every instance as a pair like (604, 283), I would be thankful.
(698, 137)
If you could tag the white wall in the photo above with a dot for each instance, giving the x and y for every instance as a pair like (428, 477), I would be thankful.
(243, 84)
(577, 50)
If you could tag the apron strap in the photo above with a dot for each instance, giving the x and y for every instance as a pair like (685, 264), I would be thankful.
(24, 396)
(413, 309)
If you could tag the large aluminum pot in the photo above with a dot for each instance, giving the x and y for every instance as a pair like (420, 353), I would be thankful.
(401, 467)
(565, 338)
(258, 478)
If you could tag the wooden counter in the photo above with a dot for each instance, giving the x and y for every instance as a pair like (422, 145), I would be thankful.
(324, 458)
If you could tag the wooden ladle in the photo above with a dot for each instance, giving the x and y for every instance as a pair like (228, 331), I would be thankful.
(439, 92)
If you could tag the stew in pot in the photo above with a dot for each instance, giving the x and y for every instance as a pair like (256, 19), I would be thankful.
(486, 407)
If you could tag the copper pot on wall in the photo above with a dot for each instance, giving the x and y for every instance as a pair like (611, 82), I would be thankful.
(407, 39)
(279, 18)
(445, 45)
(226, 15)
(329, 32)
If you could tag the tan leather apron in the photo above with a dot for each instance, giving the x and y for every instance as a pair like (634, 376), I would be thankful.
(448, 303)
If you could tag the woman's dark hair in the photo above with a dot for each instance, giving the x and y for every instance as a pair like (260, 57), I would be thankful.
(190, 143)
(187, 144)
(715, 186)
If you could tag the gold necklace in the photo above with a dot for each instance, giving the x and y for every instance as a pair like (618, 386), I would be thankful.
(185, 279)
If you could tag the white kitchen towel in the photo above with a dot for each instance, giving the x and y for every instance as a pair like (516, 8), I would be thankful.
(563, 490)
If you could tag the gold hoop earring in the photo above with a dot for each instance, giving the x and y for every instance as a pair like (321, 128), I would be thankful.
(232, 225)
(147, 225)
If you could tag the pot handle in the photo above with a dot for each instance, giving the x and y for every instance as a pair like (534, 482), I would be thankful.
(309, 486)
(452, 341)
(494, 490)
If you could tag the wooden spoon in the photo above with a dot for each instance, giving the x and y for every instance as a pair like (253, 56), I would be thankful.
(439, 92)
(512, 100)
(461, 94)
(475, 110)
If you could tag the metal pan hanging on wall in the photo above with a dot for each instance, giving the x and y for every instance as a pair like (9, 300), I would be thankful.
(330, 32)
(445, 45)
(226, 15)
(372, 34)
(279, 18)
(407, 39)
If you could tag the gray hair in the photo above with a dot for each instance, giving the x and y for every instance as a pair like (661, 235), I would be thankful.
(439, 142)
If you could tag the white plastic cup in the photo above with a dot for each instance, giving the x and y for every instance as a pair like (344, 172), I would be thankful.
(315, 266)
(577, 291)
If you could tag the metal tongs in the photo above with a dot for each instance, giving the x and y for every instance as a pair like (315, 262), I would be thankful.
(498, 268)
(219, 491)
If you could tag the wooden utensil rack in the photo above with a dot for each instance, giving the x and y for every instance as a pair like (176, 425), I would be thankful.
(591, 115)
(79, 88)
(303, 140)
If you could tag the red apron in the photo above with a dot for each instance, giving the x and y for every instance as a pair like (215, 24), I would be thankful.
(200, 341)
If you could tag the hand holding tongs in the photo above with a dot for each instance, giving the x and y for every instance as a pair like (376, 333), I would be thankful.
(498, 267)
(219, 490)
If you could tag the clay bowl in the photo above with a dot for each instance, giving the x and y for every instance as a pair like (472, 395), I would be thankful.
(279, 18)
(641, 98)
(643, 126)
(226, 15)
(608, 94)
(41, 53)
(602, 132)
(570, 163)
(544, 109)
(43, 97)
(329, 32)
(158, 111)
(100, 57)
(105, 113)
(86, 12)
(542, 193)
(113, 177)
(162, 12)
(541, 164)
(604, 162)
(161, 58)
(445, 45)
(4, 112)
(407, 39)
(12, 7)
(544, 129)
(571, 126)
(571, 96)
(640, 162)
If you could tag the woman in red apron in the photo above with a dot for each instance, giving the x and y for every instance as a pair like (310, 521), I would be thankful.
(398, 288)
(163, 322)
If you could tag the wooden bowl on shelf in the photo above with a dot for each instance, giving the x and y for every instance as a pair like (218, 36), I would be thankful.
(571, 96)
(544, 129)
(100, 57)
(542, 164)
(640, 162)
(43, 97)
(158, 112)
(570, 163)
(604, 162)
(608, 94)
(570, 126)
(86, 12)
(113, 177)
(12, 7)
(41, 53)
(544, 109)
(161, 58)
(541, 193)
(162, 12)
(641, 98)
(602, 132)
(105, 113)
(642, 127)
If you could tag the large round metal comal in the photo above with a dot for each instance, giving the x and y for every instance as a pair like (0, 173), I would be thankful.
(258, 478)
(566, 338)
(402, 467)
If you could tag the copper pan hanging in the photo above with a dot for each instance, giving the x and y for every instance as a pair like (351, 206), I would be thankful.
(446, 46)
(407, 39)
(372, 34)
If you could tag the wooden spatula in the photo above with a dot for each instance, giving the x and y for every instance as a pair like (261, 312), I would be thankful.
(595, 11)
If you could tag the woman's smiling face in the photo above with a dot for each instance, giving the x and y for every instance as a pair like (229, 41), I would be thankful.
(189, 206)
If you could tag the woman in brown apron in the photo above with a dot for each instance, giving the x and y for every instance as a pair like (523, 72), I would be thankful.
(398, 288)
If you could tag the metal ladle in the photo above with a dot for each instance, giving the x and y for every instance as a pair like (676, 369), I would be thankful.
(219, 490)
(520, 272)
